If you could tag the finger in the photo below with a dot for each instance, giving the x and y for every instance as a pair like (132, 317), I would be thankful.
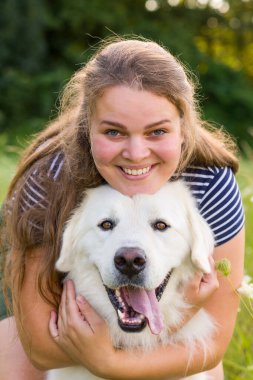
(53, 328)
(212, 276)
(91, 316)
(197, 277)
(70, 288)
(62, 314)
(209, 284)
(67, 298)
(62, 306)
(194, 283)
(71, 304)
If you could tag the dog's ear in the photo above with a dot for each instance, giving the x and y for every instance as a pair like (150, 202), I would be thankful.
(66, 258)
(202, 243)
(71, 236)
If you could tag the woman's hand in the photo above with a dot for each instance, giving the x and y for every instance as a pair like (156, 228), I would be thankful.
(81, 332)
(201, 287)
(198, 291)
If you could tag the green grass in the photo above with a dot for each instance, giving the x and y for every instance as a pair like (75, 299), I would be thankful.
(7, 170)
(238, 362)
(8, 162)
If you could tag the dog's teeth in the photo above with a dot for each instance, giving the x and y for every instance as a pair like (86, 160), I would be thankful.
(133, 321)
(120, 314)
(117, 292)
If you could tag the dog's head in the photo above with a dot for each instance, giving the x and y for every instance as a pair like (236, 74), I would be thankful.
(135, 243)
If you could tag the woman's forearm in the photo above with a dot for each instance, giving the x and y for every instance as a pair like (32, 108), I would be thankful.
(168, 362)
(40, 348)
(32, 315)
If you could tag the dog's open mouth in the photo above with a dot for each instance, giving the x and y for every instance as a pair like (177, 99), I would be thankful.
(138, 306)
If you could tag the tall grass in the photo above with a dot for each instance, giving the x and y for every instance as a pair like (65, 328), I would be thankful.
(7, 169)
(8, 161)
(238, 361)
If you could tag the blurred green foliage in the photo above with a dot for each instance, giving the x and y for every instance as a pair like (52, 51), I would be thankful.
(43, 42)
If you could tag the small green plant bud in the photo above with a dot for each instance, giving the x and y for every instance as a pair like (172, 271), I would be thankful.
(223, 266)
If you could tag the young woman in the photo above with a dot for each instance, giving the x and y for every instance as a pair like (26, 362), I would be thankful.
(129, 118)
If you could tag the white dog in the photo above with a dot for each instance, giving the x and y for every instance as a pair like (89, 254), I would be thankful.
(129, 257)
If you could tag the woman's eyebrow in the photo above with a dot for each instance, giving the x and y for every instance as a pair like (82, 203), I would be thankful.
(119, 125)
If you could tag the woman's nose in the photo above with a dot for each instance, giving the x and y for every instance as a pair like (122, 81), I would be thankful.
(136, 149)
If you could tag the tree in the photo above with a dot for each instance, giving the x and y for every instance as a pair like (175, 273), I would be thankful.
(43, 41)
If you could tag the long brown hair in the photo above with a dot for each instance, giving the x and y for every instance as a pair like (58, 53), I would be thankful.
(138, 63)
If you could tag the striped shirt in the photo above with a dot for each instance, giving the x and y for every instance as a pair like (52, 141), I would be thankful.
(215, 190)
(218, 200)
(33, 191)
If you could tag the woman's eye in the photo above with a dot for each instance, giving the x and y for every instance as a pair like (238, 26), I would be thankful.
(106, 225)
(160, 225)
(158, 132)
(112, 132)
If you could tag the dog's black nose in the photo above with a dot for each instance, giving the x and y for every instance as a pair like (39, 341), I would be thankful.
(130, 260)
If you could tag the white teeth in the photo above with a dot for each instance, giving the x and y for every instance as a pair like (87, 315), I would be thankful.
(120, 314)
(131, 321)
(136, 171)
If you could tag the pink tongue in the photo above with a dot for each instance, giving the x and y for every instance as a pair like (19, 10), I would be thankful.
(145, 302)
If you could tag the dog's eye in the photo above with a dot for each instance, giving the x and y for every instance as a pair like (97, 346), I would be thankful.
(160, 225)
(106, 225)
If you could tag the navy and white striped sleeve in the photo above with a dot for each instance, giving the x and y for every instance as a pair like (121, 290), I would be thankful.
(221, 206)
(33, 192)
(218, 199)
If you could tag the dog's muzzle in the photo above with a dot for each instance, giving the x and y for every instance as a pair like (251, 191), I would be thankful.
(136, 306)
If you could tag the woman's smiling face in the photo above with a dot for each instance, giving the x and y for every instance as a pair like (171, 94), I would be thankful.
(135, 139)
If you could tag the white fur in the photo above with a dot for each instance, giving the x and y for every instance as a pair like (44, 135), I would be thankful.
(88, 255)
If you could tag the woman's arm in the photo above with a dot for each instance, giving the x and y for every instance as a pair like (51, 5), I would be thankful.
(87, 341)
(33, 331)
(14, 364)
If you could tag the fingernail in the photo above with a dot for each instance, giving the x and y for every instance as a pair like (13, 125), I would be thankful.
(54, 315)
(206, 277)
(80, 299)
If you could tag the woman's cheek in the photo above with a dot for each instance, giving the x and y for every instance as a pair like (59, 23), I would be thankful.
(102, 150)
(171, 150)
